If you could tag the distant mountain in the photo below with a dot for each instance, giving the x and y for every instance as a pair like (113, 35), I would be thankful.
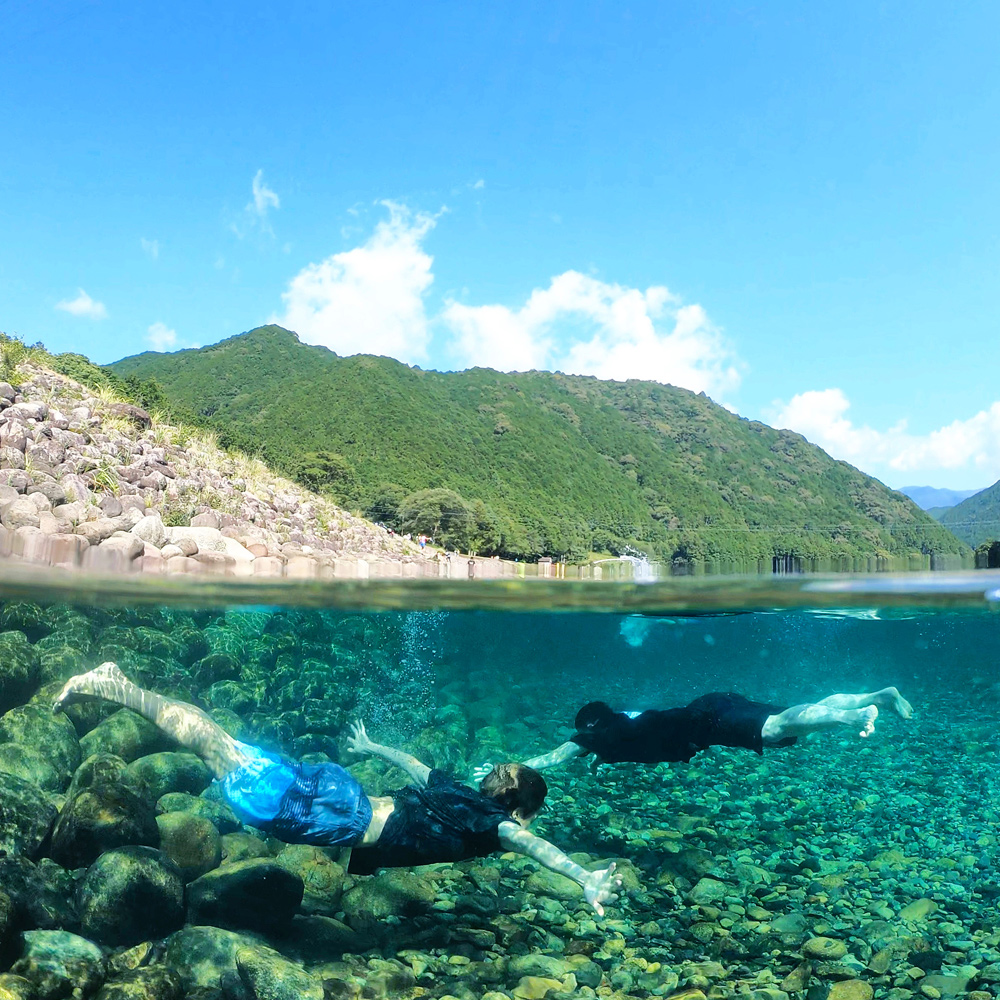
(539, 463)
(977, 519)
(926, 497)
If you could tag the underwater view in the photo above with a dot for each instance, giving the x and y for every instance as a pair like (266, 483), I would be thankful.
(853, 861)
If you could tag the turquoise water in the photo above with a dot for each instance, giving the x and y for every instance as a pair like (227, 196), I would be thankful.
(840, 866)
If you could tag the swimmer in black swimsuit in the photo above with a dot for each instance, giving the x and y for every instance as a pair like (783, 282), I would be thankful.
(727, 720)
(435, 819)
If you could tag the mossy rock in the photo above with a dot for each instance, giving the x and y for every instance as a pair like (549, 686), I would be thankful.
(216, 667)
(16, 988)
(103, 810)
(153, 982)
(51, 736)
(243, 846)
(22, 616)
(191, 842)
(127, 735)
(43, 894)
(26, 816)
(266, 974)
(391, 893)
(322, 877)
(27, 763)
(217, 812)
(129, 895)
(201, 956)
(231, 696)
(257, 894)
(169, 771)
(60, 659)
(59, 964)
(20, 673)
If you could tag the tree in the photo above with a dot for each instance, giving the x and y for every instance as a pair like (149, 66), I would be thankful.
(326, 472)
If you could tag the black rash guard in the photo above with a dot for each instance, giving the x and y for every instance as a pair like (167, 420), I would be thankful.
(677, 734)
(444, 821)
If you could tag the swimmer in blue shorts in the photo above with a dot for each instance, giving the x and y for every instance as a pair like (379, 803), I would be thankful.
(434, 819)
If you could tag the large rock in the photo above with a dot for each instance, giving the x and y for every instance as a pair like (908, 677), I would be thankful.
(191, 842)
(313, 938)
(210, 540)
(43, 894)
(257, 894)
(26, 411)
(28, 764)
(150, 529)
(203, 955)
(51, 736)
(268, 976)
(153, 982)
(218, 813)
(169, 771)
(19, 670)
(60, 964)
(322, 878)
(127, 735)
(26, 815)
(707, 891)
(391, 893)
(103, 810)
(129, 895)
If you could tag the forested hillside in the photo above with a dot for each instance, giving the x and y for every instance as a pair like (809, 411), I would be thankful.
(977, 519)
(536, 463)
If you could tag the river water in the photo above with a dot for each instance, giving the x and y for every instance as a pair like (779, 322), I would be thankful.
(839, 867)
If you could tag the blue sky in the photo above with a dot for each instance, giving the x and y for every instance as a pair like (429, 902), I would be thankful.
(793, 207)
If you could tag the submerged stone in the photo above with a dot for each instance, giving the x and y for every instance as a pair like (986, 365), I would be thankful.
(58, 963)
(169, 771)
(257, 894)
(129, 895)
(26, 815)
(20, 674)
(191, 842)
(268, 976)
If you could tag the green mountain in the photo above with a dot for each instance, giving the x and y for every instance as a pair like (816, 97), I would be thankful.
(977, 519)
(539, 463)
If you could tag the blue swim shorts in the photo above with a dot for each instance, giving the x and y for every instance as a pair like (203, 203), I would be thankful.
(319, 804)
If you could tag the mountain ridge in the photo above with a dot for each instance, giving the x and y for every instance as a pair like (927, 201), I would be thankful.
(545, 463)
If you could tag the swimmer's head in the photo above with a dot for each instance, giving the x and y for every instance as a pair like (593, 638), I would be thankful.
(595, 713)
(520, 790)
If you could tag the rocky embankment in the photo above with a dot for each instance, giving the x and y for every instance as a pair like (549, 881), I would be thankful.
(92, 482)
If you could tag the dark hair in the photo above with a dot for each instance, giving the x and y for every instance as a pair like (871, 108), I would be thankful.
(593, 714)
(516, 788)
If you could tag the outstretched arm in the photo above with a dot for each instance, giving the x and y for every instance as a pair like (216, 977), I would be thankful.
(598, 887)
(561, 754)
(358, 742)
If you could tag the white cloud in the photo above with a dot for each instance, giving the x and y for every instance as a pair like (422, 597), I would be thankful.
(83, 305)
(370, 299)
(479, 185)
(161, 338)
(151, 247)
(821, 416)
(585, 326)
(263, 197)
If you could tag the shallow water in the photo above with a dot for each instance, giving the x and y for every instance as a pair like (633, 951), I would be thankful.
(733, 863)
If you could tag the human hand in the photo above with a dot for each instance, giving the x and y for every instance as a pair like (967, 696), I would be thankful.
(358, 741)
(601, 887)
(478, 773)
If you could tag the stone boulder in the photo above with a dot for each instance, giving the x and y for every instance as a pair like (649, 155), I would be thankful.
(152, 982)
(392, 893)
(103, 810)
(256, 894)
(19, 670)
(217, 812)
(150, 529)
(129, 895)
(268, 976)
(27, 763)
(169, 771)
(191, 842)
(127, 735)
(26, 816)
(60, 964)
(322, 877)
(51, 736)
(203, 955)
(43, 894)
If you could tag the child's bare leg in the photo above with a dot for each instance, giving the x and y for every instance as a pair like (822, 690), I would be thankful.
(189, 725)
(888, 697)
(804, 719)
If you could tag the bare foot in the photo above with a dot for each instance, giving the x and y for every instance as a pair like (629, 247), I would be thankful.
(867, 717)
(898, 703)
(93, 684)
